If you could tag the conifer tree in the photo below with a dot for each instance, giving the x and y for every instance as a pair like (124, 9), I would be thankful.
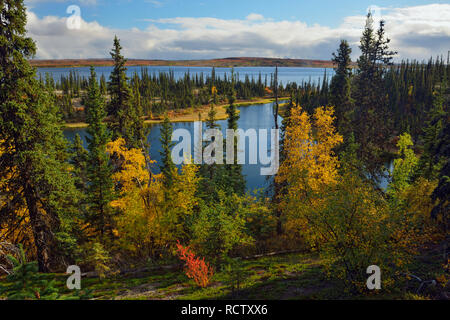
(167, 166)
(103, 86)
(441, 195)
(123, 107)
(371, 121)
(78, 159)
(99, 172)
(341, 88)
(33, 152)
(212, 174)
(429, 164)
(236, 179)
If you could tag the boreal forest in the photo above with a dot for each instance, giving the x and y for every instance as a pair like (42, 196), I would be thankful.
(141, 228)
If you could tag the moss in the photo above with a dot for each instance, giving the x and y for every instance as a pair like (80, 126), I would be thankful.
(291, 276)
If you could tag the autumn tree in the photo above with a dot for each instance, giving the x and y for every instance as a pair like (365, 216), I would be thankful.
(334, 209)
(410, 202)
(153, 215)
(309, 164)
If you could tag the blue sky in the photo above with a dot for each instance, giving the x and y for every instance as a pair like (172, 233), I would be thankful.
(132, 13)
(176, 29)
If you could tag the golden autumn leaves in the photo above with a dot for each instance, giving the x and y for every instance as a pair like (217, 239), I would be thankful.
(151, 214)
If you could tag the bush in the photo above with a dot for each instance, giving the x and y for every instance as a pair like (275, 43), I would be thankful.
(195, 268)
(28, 284)
(219, 230)
(96, 257)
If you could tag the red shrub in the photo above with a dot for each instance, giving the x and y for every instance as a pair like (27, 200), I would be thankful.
(195, 268)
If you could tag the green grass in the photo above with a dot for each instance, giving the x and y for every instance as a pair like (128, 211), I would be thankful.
(291, 276)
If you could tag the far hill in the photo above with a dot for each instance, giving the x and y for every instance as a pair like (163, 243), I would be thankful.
(226, 62)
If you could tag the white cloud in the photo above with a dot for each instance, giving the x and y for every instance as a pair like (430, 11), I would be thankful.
(416, 32)
(255, 17)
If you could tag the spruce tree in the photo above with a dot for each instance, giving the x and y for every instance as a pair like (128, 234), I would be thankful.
(99, 172)
(371, 120)
(429, 164)
(126, 114)
(442, 192)
(212, 174)
(35, 172)
(235, 177)
(78, 160)
(341, 88)
(167, 166)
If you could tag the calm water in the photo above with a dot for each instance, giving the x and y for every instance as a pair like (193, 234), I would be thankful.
(255, 116)
(285, 75)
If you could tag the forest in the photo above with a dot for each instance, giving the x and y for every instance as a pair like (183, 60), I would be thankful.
(194, 232)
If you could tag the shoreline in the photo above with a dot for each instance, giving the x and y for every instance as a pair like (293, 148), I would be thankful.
(218, 63)
(191, 115)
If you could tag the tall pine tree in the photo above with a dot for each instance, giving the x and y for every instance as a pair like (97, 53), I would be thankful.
(371, 118)
(100, 190)
(167, 166)
(35, 174)
(125, 109)
(235, 177)
(341, 88)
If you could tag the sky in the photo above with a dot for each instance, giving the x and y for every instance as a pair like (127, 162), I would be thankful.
(205, 29)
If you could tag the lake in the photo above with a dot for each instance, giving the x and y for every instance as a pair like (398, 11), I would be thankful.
(285, 74)
(251, 117)
(254, 116)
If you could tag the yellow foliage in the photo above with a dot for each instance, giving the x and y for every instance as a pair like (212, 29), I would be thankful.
(132, 163)
(151, 215)
(310, 164)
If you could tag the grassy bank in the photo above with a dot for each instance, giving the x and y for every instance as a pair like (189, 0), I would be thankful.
(190, 115)
(282, 277)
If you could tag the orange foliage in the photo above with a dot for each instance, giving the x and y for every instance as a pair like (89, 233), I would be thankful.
(195, 268)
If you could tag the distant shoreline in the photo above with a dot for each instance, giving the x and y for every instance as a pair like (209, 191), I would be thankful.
(219, 63)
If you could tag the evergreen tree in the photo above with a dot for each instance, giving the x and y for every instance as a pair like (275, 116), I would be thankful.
(442, 192)
(99, 172)
(235, 177)
(125, 109)
(78, 160)
(103, 85)
(371, 117)
(341, 88)
(167, 166)
(213, 175)
(429, 164)
(33, 152)
(118, 81)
